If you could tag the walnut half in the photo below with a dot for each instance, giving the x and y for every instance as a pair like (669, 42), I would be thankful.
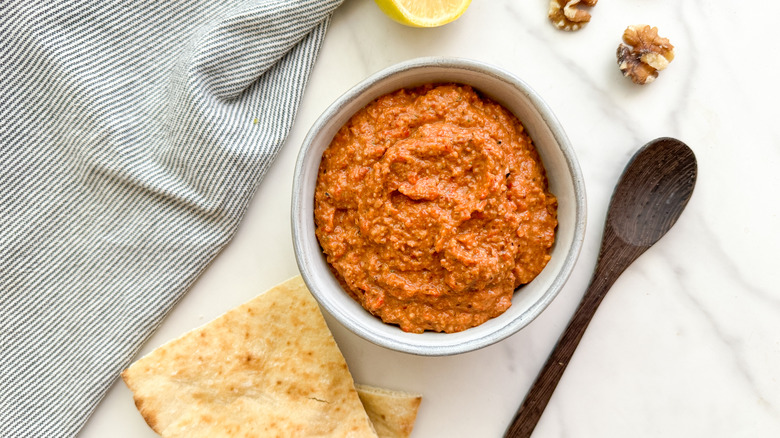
(644, 53)
(565, 15)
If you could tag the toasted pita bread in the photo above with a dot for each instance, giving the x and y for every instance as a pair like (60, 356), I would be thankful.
(391, 412)
(269, 368)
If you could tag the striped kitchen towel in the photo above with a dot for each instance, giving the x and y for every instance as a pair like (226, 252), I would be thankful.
(132, 137)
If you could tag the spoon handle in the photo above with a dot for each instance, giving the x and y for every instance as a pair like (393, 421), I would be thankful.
(541, 391)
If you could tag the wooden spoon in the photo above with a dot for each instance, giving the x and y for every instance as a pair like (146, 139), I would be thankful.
(651, 194)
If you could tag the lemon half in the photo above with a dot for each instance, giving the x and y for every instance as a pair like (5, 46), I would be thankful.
(423, 13)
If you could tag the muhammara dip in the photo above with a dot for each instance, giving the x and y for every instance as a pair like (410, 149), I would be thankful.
(432, 206)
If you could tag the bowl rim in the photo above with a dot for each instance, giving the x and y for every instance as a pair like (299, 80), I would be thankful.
(303, 258)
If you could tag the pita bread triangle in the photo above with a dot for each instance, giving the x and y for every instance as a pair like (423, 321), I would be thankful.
(268, 368)
(391, 412)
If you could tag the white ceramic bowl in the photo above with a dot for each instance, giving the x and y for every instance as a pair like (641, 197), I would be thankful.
(563, 173)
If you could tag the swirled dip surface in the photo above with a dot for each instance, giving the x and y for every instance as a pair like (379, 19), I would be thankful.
(432, 206)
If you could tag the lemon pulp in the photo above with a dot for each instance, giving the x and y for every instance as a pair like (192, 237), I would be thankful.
(423, 13)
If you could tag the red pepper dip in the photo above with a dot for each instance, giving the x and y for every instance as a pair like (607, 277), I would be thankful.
(432, 207)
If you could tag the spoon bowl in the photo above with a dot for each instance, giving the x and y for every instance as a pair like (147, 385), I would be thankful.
(650, 196)
(652, 192)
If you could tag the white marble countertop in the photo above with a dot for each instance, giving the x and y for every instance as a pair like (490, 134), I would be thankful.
(687, 343)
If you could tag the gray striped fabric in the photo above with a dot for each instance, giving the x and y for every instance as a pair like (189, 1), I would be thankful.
(132, 137)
